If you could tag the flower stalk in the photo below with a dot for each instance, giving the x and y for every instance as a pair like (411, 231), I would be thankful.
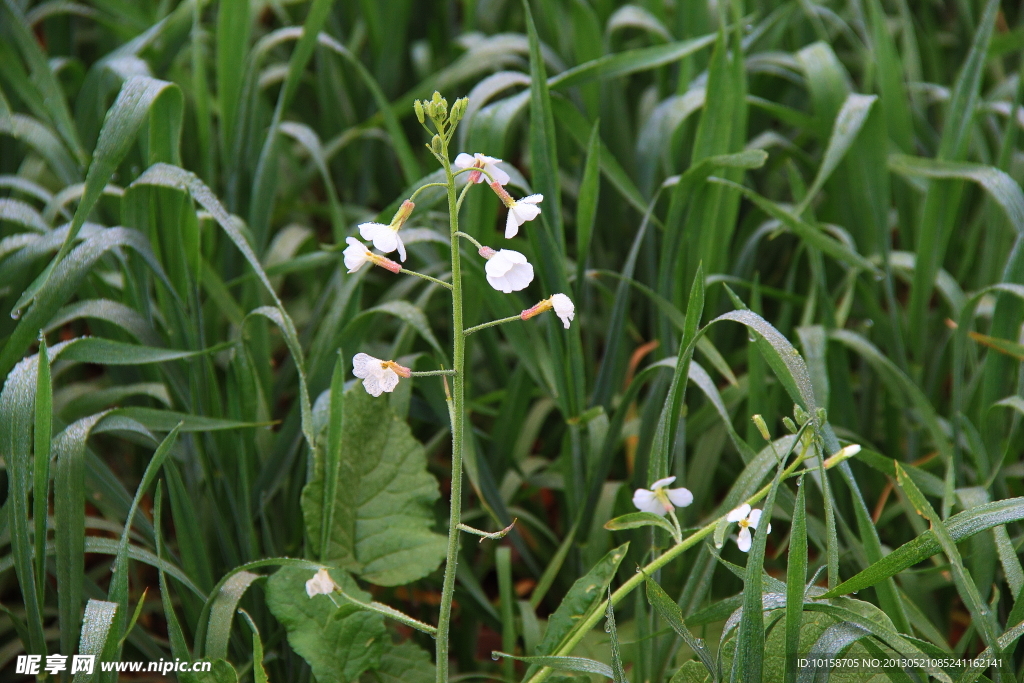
(458, 412)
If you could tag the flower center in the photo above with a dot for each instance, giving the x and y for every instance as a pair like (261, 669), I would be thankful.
(744, 523)
(662, 497)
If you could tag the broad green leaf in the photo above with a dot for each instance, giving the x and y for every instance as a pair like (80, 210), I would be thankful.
(338, 642)
(405, 663)
(384, 495)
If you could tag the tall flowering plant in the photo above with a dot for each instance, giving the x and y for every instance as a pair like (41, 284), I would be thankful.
(506, 270)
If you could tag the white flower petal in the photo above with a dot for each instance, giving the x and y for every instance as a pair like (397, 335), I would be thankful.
(372, 385)
(363, 365)
(533, 199)
(566, 310)
(401, 247)
(320, 584)
(464, 161)
(647, 501)
(739, 513)
(486, 160)
(511, 226)
(524, 212)
(383, 236)
(754, 518)
(355, 254)
(680, 497)
(499, 176)
(388, 380)
(520, 276)
(769, 529)
(508, 271)
(743, 540)
(661, 483)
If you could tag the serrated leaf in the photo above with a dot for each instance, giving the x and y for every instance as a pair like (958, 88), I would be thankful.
(382, 516)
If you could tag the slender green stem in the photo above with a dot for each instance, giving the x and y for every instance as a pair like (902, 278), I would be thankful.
(426, 277)
(583, 627)
(423, 187)
(491, 324)
(458, 411)
(432, 373)
(470, 238)
(462, 196)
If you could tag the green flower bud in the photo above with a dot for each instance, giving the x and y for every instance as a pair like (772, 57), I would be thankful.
(800, 414)
(790, 425)
(762, 427)
(435, 144)
(418, 107)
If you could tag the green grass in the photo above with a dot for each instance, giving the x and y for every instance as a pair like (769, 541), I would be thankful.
(807, 211)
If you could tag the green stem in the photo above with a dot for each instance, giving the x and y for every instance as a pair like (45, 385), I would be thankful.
(470, 238)
(458, 415)
(583, 627)
(426, 277)
(491, 324)
(462, 196)
(432, 373)
(423, 187)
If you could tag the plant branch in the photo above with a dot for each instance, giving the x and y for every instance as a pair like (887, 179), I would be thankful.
(470, 238)
(493, 323)
(426, 277)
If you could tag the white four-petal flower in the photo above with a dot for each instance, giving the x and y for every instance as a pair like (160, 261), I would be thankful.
(508, 271)
(384, 237)
(320, 584)
(564, 309)
(484, 162)
(747, 519)
(378, 375)
(520, 211)
(660, 499)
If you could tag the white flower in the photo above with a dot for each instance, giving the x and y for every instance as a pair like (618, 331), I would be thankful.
(356, 254)
(508, 271)
(320, 584)
(661, 499)
(384, 237)
(748, 519)
(564, 309)
(378, 375)
(520, 211)
(486, 163)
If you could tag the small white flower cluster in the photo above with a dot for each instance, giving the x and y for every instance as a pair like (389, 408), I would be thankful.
(661, 500)
(506, 270)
